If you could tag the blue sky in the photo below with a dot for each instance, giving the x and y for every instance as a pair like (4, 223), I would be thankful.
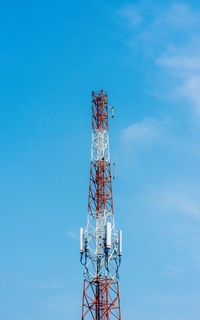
(53, 54)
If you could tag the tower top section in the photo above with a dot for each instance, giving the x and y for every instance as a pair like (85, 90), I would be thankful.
(99, 110)
(100, 137)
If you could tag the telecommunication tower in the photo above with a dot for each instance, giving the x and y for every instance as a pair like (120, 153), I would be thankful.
(100, 243)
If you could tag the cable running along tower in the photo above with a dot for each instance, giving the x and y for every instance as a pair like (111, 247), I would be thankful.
(100, 243)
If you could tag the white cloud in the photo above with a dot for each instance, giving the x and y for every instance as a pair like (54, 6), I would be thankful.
(181, 64)
(186, 70)
(180, 16)
(172, 270)
(131, 15)
(178, 209)
(64, 305)
(160, 22)
(53, 284)
(147, 130)
(73, 235)
(182, 61)
(182, 202)
(196, 259)
(172, 35)
(188, 240)
(191, 89)
(177, 198)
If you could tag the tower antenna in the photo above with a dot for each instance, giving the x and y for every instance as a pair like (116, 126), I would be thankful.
(100, 243)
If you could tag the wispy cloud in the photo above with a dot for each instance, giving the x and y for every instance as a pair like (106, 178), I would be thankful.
(188, 240)
(181, 202)
(166, 44)
(178, 197)
(172, 35)
(52, 284)
(130, 15)
(172, 270)
(179, 206)
(147, 130)
(64, 305)
(179, 16)
(181, 65)
(186, 70)
(191, 89)
(73, 235)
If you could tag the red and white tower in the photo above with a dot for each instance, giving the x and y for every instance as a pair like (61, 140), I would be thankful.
(100, 243)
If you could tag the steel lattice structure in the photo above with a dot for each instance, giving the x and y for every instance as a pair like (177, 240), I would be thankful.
(100, 243)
